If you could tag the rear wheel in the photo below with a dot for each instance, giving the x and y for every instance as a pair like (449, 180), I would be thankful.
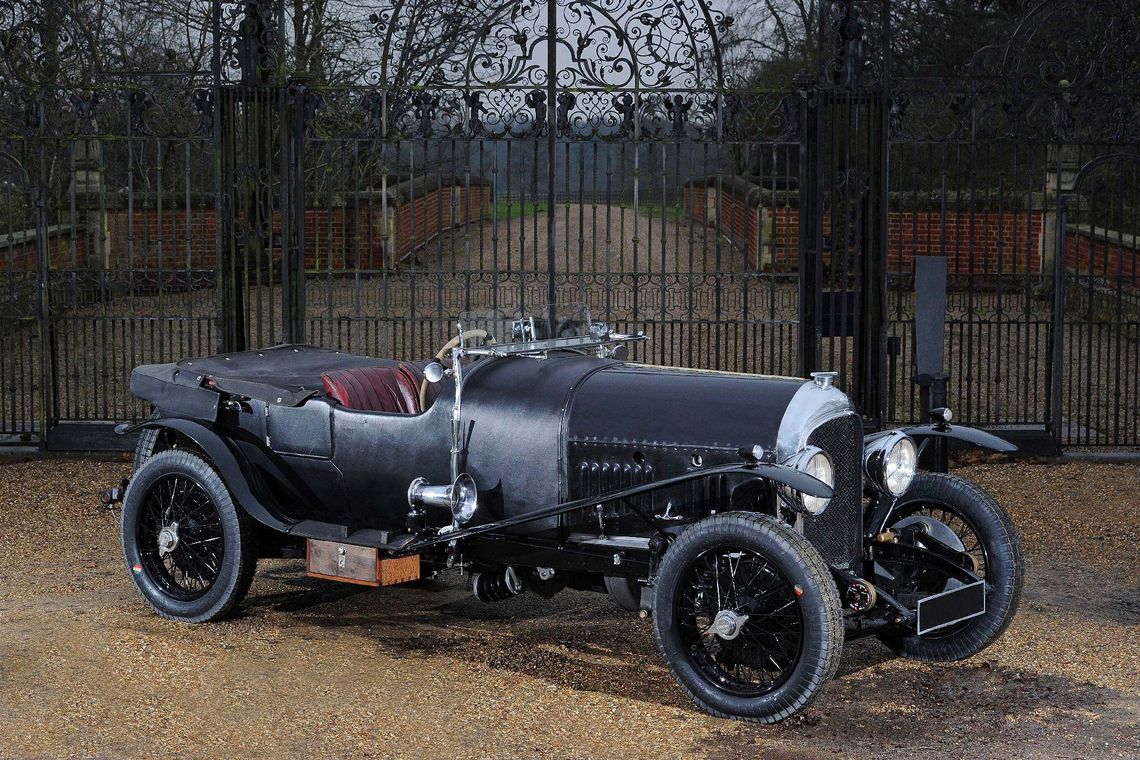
(965, 517)
(748, 617)
(190, 550)
(149, 444)
(153, 440)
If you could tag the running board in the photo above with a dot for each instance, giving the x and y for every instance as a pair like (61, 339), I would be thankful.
(385, 540)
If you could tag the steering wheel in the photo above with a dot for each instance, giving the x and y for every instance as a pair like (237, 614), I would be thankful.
(441, 354)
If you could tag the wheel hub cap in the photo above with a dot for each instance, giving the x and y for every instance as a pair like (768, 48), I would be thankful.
(727, 624)
(167, 539)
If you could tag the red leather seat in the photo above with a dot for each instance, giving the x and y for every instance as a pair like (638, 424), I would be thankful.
(375, 389)
(417, 370)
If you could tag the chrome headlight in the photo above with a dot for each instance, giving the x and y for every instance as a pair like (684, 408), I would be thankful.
(815, 462)
(890, 462)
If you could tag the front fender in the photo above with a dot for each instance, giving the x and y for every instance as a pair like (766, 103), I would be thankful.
(225, 461)
(972, 436)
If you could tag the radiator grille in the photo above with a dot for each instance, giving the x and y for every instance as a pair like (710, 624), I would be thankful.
(837, 533)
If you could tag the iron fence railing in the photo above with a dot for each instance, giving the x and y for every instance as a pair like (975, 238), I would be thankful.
(219, 198)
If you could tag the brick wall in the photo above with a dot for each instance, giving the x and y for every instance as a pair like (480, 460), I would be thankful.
(369, 235)
(1101, 253)
(172, 238)
(982, 242)
(18, 249)
(741, 220)
(979, 242)
(343, 238)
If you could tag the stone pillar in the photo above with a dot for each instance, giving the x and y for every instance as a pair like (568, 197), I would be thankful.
(765, 251)
(1063, 163)
(90, 203)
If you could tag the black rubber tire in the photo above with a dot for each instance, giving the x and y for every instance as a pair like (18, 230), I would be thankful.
(153, 440)
(239, 559)
(1005, 569)
(800, 563)
(147, 446)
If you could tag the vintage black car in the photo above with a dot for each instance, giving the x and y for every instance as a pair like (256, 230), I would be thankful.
(750, 516)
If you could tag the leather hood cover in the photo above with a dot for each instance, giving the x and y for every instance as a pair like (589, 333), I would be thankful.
(663, 406)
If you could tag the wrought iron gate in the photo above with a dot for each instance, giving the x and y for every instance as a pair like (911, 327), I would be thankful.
(567, 150)
(1000, 167)
(222, 196)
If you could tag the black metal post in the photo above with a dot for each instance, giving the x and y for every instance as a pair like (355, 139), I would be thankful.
(551, 155)
(937, 398)
(810, 232)
(876, 307)
(293, 223)
(49, 411)
(1053, 412)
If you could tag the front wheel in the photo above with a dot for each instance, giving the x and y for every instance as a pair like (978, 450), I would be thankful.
(965, 517)
(190, 550)
(748, 617)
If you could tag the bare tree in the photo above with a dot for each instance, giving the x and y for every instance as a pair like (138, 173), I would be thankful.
(769, 40)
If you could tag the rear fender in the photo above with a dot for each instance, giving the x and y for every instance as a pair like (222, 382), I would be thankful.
(226, 461)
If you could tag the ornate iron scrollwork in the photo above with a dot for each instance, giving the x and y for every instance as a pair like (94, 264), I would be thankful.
(852, 45)
(598, 56)
(249, 48)
(1067, 73)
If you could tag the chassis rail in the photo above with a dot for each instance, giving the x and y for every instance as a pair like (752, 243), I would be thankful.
(781, 473)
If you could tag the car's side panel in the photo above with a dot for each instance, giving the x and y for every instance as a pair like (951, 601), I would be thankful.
(304, 431)
(514, 412)
(379, 454)
(537, 432)
(633, 423)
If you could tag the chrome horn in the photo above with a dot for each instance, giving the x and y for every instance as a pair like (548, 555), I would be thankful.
(461, 497)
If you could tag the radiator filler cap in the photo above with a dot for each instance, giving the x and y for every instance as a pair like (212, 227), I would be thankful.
(824, 379)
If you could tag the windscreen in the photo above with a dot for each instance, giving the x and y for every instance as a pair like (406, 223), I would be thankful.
(536, 323)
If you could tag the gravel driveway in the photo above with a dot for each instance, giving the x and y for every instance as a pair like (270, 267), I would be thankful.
(311, 668)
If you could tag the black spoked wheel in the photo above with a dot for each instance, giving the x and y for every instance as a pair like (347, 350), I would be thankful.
(748, 617)
(181, 538)
(189, 548)
(964, 517)
(741, 621)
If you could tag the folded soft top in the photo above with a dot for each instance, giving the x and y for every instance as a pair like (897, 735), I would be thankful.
(285, 375)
